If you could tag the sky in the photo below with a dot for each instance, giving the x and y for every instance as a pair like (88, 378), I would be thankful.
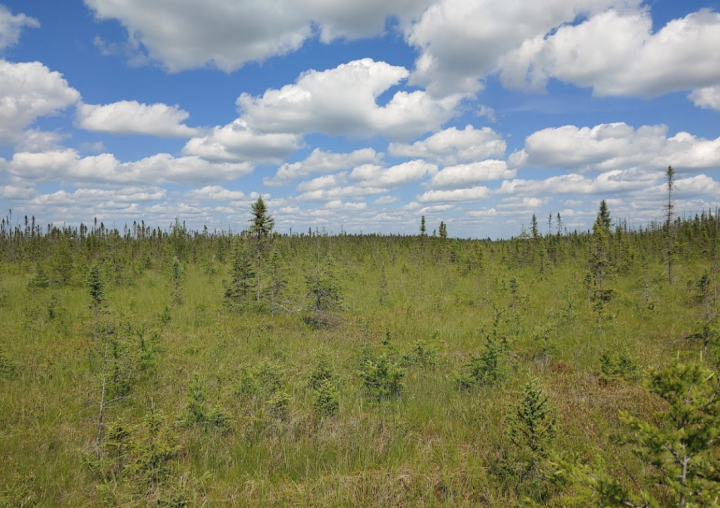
(358, 116)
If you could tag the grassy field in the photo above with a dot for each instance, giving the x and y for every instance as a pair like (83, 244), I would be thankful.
(254, 404)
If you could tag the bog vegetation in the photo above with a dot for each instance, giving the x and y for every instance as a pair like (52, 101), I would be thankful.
(150, 367)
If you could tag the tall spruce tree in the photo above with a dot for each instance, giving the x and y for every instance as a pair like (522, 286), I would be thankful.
(534, 231)
(62, 263)
(670, 234)
(559, 224)
(600, 262)
(96, 288)
(323, 288)
(278, 279)
(261, 225)
(241, 286)
(604, 215)
(177, 276)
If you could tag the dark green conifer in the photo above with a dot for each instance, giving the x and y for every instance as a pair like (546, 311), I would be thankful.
(239, 290)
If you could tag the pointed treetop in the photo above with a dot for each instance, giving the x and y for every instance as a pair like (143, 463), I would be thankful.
(261, 223)
(670, 174)
(604, 215)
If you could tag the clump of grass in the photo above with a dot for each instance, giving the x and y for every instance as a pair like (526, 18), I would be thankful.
(8, 368)
(422, 354)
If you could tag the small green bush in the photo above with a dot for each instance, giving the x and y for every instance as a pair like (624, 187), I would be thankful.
(326, 400)
(143, 455)
(261, 380)
(382, 378)
(164, 317)
(489, 368)
(324, 385)
(322, 372)
(278, 405)
(530, 430)
(678, 447)
(219, 418)
(618, 366)
(40, 280)
(197, 411)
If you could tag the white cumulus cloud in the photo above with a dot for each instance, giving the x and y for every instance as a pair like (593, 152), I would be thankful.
(386, 200)
(132, 117)
(617, 53)
(323, 182)
(34, 140)
(237, 142)
(16, 192)
(68, 165)
(707, 98)
(11, 26)
(467, 175)
(215, 193)
(471, 194)
(340, 205)
(108, 197)
(228, 33)
(616, 146)
(461, 41)
(401, 174)
(333, 193)
(29, 91)
(453, 146)
(610, 182)
(364, 180)
(320, 161)
(343, 101)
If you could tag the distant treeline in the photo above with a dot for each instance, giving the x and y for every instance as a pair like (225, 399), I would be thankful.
(27, 241)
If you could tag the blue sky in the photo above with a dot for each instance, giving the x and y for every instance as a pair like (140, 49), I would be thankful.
(360, 116)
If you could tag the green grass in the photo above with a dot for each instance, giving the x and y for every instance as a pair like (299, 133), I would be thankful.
(434, 445)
